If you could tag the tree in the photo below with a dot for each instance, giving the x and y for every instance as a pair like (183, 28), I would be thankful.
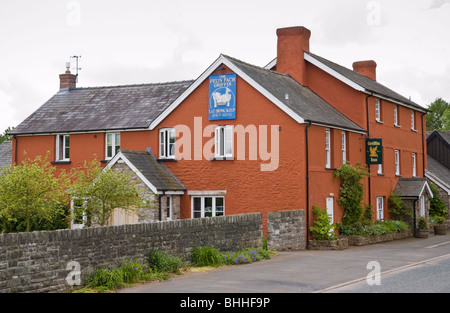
(5, 136)
(438, 118)
(31, 190)
(103, 190)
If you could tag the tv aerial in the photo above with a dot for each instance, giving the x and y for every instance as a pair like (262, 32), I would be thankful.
(76, 57)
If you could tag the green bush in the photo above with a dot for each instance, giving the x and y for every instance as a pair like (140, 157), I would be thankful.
(110, 279)
(206, 256)
(248, 255)
(160, 262)
(373, 229)
(322, 228)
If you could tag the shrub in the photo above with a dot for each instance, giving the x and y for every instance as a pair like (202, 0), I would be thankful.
(351, 192)
(323, 228)
(437, 205)
(377, 228)
(206, 256)
(422, 223)
(397, 208)
(129, 272)
(160, 262)
(245, 256)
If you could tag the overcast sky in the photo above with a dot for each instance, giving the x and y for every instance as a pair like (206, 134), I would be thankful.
(137, 41)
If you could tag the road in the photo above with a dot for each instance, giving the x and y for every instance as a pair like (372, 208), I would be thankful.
(409, 265)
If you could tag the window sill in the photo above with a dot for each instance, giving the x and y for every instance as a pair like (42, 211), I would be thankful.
(330, 169)
(414, 130)
(380, 174)
(104, 161)
(168, 160)
(222, 159)
(60, 162)
(398, 175)
(381, 122)
(398, 126)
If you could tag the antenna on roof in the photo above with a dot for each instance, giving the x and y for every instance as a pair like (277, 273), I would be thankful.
(76, 68)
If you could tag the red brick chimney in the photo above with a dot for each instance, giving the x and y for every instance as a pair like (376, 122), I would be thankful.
(292, 42)
(366, 68)
(67, 80)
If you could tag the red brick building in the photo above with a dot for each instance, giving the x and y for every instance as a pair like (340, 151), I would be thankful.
(240, 138)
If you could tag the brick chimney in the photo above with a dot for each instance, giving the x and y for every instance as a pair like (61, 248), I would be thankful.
(366, 68)
(67, 80)
(292, 42)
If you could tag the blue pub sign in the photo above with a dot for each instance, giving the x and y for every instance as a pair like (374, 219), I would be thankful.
(222, 97)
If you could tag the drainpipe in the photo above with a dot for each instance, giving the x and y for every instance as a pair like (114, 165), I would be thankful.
(307, 185)
(159, 204)
(368, 136)
(15, 149)
(423, 147)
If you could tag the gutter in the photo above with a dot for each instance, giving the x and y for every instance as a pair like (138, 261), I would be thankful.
(307, 184)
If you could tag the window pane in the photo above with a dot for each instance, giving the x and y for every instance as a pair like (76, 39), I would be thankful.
(117, 143)
(228, 140)
(219, 206)
(208, 206)
(66, 147)
(197, 210)
(171, 142)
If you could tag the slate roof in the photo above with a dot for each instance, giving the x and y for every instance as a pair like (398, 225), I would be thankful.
(302, 100)
(155, 172)
(102, 108)
(367, 83)
(438, 170)
(410, 187)
(5, 153)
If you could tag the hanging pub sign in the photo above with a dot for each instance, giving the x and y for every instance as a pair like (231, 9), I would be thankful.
(374, 151)
(222, 97)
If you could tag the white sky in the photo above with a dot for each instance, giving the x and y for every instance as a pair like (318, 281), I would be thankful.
(137, 41)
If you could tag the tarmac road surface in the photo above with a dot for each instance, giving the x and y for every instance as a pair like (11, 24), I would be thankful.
(309, 271)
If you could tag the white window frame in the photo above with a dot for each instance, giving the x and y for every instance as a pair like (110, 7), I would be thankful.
(380, 169)
(344, 147)
(378, 110)
(396, 115)
(202, 211)
(114, 145)
(223, 141)
(414, 164)
(397, 162)
(380, 208)
(166, 148)
(61, 146)
(413, 120)
(327, 148)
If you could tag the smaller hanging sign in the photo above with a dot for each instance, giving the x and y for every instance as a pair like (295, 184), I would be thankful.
(374, 151)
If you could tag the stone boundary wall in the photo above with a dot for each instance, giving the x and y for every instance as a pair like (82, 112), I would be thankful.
(286, 230)
(38, 261)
